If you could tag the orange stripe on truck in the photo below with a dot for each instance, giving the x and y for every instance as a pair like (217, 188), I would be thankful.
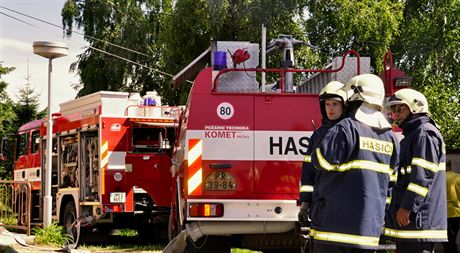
(104, 162)
(195, 170)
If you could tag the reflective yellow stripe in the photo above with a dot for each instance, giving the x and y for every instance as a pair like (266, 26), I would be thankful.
(306, 188)
(346, 238)
(442, 166)
(323, 163)
(393, 177)
(307, 159)
(417, 189)
(428, 165)
(408, 169)
(438, 234)
(366, 165)
(388, 200)
(356, 164)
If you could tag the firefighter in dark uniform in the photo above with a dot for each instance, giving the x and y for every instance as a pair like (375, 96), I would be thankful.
(417, 216)
(356, 158)
(332, 100)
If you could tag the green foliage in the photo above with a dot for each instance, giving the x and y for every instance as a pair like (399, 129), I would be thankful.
(429, 50)
(171, 35)
(126, 232)
(7, 117)
(53, 235)
(129, 23)
(26, 109)
(196, 23)
(367, 26)
(423, 34)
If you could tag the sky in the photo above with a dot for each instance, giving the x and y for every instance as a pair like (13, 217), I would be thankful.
(16, 39)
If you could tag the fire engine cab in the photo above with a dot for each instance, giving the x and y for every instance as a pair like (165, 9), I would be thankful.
(111, 161)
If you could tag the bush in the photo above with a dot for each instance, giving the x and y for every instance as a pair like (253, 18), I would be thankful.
(53, 235)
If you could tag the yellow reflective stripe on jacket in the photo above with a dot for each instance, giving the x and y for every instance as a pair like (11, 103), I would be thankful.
(306, 188)
(393, 177)
(346, 238)
(388, 200)
(416, 234)
(366, 165)
(356, 164)
(442, 166)
(307, 159)
(322, 161)
(417, 189)
(428, 165)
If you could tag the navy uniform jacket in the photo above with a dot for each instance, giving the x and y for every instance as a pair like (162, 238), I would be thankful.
(421, 184)
(309, 173)
(356, 162)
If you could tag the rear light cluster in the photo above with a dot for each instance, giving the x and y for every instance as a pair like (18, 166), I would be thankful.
(206, 210)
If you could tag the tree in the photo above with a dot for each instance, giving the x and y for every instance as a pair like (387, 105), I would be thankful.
(172, 35)
(368, 26)
(26, 109)
(7, 117)
(195, 23)
(428, 49)
(130, 24)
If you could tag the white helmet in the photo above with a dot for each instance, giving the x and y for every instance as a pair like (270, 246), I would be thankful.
(415, 100)
(368, 88)
(333, 89)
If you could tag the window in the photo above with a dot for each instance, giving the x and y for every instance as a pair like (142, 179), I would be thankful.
(22, 145)
(35, 141)
(147, 139)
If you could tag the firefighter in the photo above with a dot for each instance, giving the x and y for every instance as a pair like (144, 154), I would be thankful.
(332, 100)
(453, 208)
(356, 158)
(417, 215)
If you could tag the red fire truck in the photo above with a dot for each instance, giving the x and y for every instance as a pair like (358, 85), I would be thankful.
(111, 161)
(238, 156)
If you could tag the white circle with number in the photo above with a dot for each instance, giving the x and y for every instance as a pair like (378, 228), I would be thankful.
(117, 176)
(225, 110)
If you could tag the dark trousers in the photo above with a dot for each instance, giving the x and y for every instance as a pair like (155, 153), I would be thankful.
(326, 248)
(453, 224)
(415, 247)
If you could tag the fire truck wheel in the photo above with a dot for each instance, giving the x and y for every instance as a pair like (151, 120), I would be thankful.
(70, 215)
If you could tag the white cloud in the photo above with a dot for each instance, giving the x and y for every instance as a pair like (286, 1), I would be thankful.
(16, 45)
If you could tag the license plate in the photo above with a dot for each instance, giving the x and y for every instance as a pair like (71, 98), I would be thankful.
(117, 197)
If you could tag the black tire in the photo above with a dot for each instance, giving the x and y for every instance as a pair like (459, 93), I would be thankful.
(69, 217)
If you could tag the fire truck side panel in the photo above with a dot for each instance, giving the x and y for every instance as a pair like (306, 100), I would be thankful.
(116, 176)
(281, 140)
(125, 168)
(225, 126)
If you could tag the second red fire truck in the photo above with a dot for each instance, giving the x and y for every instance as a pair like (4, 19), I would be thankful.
(111, 162)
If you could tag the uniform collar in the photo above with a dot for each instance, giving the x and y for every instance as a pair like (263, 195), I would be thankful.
(415, 121)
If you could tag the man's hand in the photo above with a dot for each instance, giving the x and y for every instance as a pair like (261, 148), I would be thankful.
(303, 214)
(402, 217)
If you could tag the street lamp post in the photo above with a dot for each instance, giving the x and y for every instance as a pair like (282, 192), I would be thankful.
(49, 50)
